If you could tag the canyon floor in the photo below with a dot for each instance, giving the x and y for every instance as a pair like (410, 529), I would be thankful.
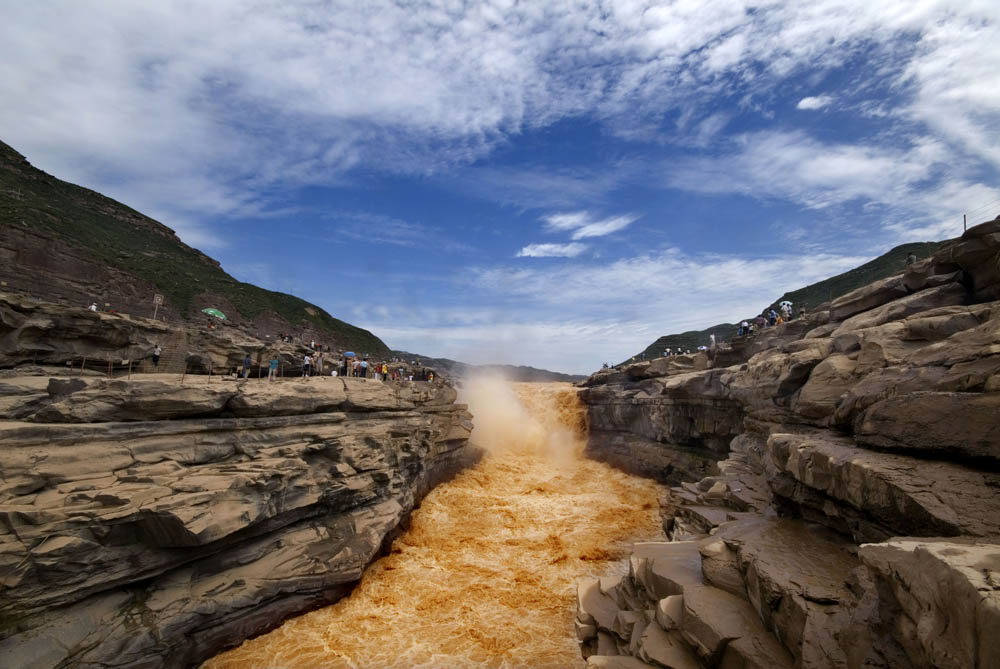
(486, 575)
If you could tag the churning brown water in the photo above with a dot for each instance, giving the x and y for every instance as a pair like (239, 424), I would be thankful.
(486, 575)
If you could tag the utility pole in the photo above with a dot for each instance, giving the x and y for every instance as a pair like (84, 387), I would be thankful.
(964, 227)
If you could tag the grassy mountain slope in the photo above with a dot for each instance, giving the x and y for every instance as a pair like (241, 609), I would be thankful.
(689, 340)
(885, 265)
(455, 368)
(123, 238)
(811, 296)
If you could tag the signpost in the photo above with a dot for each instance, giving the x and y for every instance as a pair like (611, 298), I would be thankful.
(157, 301)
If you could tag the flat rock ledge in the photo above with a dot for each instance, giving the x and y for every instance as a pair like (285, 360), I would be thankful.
(148, 523)
(835, 481)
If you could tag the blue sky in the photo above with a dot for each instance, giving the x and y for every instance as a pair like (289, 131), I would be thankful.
(546, 183)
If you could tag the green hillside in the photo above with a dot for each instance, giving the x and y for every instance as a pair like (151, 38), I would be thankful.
(687, 341)
(126, 239)
(885, 265)
(811, 296)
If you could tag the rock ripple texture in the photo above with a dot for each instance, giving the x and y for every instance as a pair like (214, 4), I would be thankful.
(835, 499)
(150, 523)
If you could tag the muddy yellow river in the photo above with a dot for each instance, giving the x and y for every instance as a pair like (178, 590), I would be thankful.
(486, 575)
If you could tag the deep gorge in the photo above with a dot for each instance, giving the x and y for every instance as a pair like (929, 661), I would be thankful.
(486, 574)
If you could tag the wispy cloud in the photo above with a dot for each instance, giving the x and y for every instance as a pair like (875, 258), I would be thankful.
(552, 250)
(814, 102)
(309, 93)
(355, 226)
(571, 317)
(793, 166)
(583, 224)
(605, 226)
(568, 221)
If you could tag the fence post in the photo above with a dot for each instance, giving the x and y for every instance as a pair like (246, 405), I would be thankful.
(82, 365)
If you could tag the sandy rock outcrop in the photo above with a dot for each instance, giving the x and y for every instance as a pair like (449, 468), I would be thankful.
(44, 333)
(149, 523)
(851, 518)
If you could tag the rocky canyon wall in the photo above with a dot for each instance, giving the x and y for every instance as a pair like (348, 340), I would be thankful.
(853, 516)
(154, 523)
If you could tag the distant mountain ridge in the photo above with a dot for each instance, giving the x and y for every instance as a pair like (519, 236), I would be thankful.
(811, 296)
(65, 243)
(519, 373)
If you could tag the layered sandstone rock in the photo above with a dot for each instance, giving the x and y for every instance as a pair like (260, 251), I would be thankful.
(149, 523)
(852, 517)
(44, 333)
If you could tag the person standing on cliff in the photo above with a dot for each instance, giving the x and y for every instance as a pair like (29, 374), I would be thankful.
(272, 371)
(156, 355)
(306, 362)
(246, 366)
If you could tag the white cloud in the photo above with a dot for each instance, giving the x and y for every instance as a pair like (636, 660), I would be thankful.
(584, 226)
(572, 317)
(302, 92)
(568, 221)
(604, 227)
(795, 167)
(817, 102)
(552, 250)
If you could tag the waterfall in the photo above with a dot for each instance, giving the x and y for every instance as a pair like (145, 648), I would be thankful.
(486, 574)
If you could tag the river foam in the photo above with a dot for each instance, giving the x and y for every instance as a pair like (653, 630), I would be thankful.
(486, 574)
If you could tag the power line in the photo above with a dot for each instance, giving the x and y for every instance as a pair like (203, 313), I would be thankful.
(986, 206)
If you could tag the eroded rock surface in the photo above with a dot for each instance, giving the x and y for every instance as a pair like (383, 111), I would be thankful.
(851, 518)
(148, 523)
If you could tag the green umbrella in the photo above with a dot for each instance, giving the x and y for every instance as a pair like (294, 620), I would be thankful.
(212, 311)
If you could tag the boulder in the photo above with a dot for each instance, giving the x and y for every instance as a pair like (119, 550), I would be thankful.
(950, 294)
(876, 495)
(666, 649)
(666, 568)
(594, 607)
(947, 597)
(868, 297)
(795, 576)
(977, 252)
(669, 612)
(827, 384)
(952, 425)
(715, 622)
(938, 324)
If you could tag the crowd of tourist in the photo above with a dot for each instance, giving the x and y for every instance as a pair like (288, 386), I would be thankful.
(320, 361)
(769, 318)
